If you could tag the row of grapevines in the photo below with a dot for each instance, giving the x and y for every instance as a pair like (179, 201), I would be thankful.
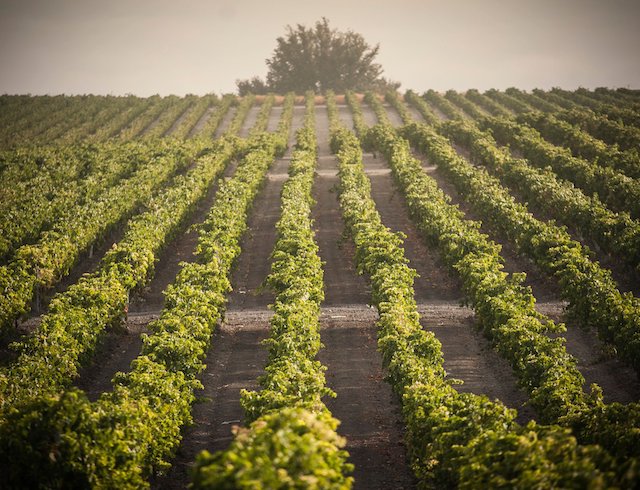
(262, 119)
(292, 438)
(74, 176)
(533, 100)
(69, 332)
(555, 99)
(40, 265)
(423, 108)
(27, 169)
(163, 124)
(359, 125)
(244, 106)
(374, 102)
(129, 434)
(83, 128)
(615, 112)
(143, 121)
(541, 363)
(560, 129)
(394, 100)
(610, 131)
(616, 233)
(86, 112)
(491, 106)
(465, 104)
(606, 97)
(442, 104)
(510, 102)
(607, 100)
(498, 204)
(582, 144)
(215, 118)
(188, 122)
(455, 439)
(622, 93)
(50, 118)
(122, 120)
(21, 110)
(619, 192)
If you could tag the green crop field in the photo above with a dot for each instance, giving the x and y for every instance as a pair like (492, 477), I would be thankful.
(381, 289)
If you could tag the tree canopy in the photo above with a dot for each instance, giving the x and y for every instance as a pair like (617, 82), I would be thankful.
(318, 59)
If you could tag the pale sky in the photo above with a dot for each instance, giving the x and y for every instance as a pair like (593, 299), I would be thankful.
(146, 47)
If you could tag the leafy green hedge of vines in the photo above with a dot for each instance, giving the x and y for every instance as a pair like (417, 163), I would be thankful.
(292, 440)
(64, 440)
(454, 439)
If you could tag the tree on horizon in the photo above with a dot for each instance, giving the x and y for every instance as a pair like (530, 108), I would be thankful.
(319, 58)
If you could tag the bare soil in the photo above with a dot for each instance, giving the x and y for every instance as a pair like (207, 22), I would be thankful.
(179, 120)
(236, 358)
(274, 118)
(250, 120)
(394, 116)
(417, 117)
(441, 115)
(366, 406)
(226, 121)
(368, 115)
(369, 411)
(197, 128)
(344, 113)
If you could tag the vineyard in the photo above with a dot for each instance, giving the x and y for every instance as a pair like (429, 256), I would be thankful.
(375, 290)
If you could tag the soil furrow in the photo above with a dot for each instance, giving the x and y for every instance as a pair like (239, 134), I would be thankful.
(366, 406)
(250, 120)
(236, 358)
(198, 126)
(274, 118)
(468, 355)
(226, 122)
(121, 346)
(180, 119)
(394, 116)
(415, 113)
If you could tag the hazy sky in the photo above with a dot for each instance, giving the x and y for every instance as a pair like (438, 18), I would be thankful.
(195, 46)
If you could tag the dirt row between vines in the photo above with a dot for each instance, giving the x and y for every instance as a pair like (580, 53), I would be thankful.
(236, 357)
(618, 381)
(467, 355)
(86, 263)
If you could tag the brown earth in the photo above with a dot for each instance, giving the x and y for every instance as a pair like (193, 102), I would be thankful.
(179, 119)
(226, 121)
(365, 404)
(236, 358)
(468, 355)
(415, 113)
(198, 126)
(250, 120)
(393, 115)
